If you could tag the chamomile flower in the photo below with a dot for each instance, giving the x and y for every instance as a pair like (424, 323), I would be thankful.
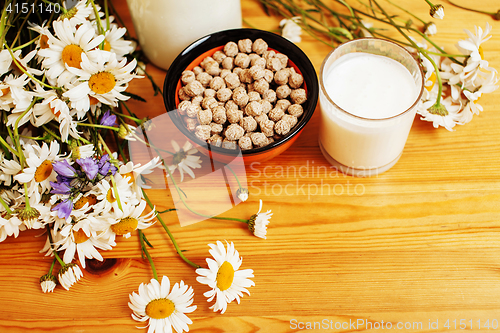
(5, 61)
(102, 80)
(161, 307)
(134, 174)
(130, 218)
(291, 30)
(107, 199)
(430, 29)
(82, 151)
(39, 171)
(447, 121)
(22, 63)
(10, 224)
(115, 43)
(184, 159)
(79, 13)
(69, 274)
(258, 222)
(48, 283)
(16, 99)
(79, 239)
(472, 45)
(228, 283)
(437, 11)
(66, 49)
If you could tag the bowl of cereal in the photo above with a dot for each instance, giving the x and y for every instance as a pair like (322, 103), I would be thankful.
(241, 92)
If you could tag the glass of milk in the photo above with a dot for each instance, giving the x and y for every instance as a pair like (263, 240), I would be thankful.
(166, 27)
(369, 89)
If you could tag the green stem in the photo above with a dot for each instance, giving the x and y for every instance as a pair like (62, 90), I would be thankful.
(473, 10)
(99, 126)
(4, 204)
(21, 68)
(137, 120)
(174, 242)
(436, 69)
(51, 241)
(106, 11)
(6, 145)
(146, 252)
(26, 196)
(115, 190)
(51, 133)
(234, 174)
(406, 11)
(3, 23)
(429, 3)
(52, 266)
(99, 23)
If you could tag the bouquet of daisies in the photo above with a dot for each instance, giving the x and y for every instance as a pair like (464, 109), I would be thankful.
(64, 73)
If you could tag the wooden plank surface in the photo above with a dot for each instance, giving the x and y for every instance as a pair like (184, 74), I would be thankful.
(417, 244)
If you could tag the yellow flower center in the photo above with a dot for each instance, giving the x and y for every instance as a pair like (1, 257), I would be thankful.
(5, 91)
(102, 82)
(72, 55)
(110, 196)
(125, 226)
(481, 52)
(225, 276)
(433, 79)
(44, 42)
(91, 199)
(79, 236)
(107, 46)
(54, 112)
(43, 171)
(160, 308)
(130, 175)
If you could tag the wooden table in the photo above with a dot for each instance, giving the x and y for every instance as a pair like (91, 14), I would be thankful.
(418, 246)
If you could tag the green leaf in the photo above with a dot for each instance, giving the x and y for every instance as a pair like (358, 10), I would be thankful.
(134, 96)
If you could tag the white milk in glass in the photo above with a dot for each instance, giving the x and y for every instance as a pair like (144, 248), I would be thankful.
(360, 130)
(165, 27)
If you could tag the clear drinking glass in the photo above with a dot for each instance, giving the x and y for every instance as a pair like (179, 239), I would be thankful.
(361, 146)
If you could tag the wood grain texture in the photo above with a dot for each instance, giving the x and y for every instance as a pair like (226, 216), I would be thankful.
(417, 244)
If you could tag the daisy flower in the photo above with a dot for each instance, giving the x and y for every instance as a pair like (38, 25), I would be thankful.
(114, 42)
(54, 108)
(10, 224)
(430, 29)
(79, 239)
(104, 81)
(69, 275)
(16, 99)
(5, 61)
(184, 159)
(472, 45)
(291, 30)
(134, 174)
(437, 12)
(78, 13)
(48, 283)
(123, 222)
(82, 151)
(107, 199)
(66, 49)
(164, 308)
(258, 222)
(39, 171)
(224, 277)
(447, 121)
